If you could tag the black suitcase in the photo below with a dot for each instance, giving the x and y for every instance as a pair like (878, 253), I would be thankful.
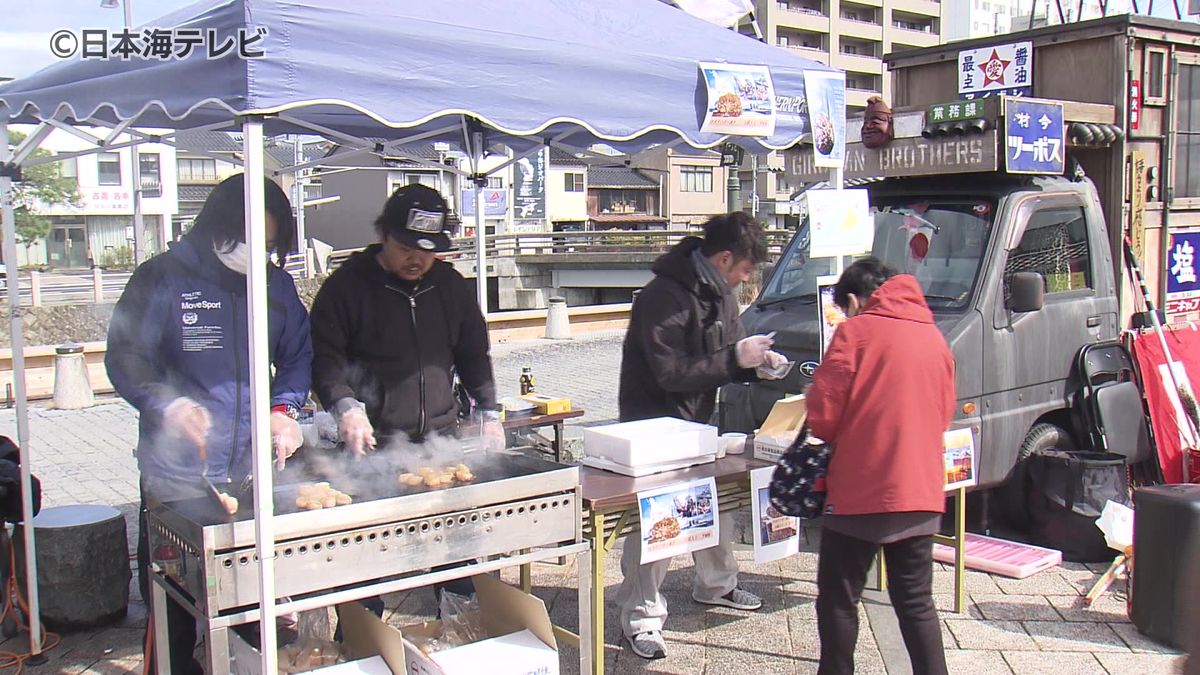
(1070, 489)
(1166, 563)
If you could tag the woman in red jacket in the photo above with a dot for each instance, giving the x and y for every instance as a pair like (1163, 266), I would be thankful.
(882, 398)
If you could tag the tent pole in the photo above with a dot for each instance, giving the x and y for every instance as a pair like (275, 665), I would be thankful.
(480, 227)
(260, 387)
(18, 374)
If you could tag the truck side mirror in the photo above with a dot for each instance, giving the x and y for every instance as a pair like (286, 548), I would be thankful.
(1027, 292)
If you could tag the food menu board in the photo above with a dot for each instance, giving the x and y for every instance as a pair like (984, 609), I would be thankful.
(831, 316)
(678, 519)
(960, 459)
(776, 536)
(741, 100)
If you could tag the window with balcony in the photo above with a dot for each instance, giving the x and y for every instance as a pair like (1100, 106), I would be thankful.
(495, 182)
(695, 179)
(573, 182)
(197, 170)
(150, 174)
(624, 201)
(918, 26)
(108, 168)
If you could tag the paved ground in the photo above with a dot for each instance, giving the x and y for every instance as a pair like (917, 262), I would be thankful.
(1036, 625)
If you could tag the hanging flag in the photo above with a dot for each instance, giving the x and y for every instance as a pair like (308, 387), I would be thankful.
(727, 13)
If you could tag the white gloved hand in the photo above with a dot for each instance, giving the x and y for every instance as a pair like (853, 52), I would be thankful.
(771, 368)
(494, 436)
(188, 419)
(285, 437)
(752, 351)
(356, 431)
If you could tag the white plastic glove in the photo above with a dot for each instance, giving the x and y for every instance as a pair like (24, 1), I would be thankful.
(752, 351)
(186, 418)
(285, 437)
(356, 431)
(494, 436)
(771, 367)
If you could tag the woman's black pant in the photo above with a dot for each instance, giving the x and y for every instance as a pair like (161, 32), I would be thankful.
(841, 576)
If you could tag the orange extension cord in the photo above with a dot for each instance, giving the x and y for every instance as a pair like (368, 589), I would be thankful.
(13, 600)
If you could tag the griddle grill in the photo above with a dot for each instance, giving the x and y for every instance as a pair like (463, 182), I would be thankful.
(515, 503)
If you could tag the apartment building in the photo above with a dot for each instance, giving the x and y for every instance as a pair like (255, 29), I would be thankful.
(852, 35)
(967, 19)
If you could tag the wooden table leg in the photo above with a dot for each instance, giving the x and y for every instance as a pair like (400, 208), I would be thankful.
(960, 550)
(597, 593)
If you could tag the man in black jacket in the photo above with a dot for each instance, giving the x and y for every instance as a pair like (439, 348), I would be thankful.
(685, 340)
(391, 328)
(393, 325)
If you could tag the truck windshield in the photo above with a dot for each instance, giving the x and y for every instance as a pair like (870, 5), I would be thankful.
(939, 241)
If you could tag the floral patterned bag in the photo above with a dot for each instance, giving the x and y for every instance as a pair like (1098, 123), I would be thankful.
(798, 484)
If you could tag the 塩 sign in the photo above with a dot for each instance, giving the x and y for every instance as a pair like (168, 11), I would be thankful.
(1035, 138)
(1183, 284)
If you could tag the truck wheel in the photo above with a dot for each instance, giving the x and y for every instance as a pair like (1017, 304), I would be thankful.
(1016, 492)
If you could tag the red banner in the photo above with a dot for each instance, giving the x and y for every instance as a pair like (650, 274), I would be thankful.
(1172, 433)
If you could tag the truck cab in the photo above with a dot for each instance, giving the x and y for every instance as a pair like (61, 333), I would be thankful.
(990, 239)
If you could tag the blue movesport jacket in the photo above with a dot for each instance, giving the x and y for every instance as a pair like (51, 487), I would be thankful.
(180, 329)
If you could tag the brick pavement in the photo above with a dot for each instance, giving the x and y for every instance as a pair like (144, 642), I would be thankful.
(1036, 625)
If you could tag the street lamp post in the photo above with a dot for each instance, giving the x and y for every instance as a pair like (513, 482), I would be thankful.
(135, 171)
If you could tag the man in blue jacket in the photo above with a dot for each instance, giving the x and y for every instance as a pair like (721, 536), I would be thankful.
(178, 351)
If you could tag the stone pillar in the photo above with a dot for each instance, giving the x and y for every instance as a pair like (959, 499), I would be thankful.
(82, 565)
(72, 390)
(558, 322)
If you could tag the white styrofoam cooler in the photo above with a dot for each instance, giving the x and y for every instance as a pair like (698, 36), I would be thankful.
(662, 440)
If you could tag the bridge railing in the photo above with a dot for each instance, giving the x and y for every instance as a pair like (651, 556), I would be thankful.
(596, 242)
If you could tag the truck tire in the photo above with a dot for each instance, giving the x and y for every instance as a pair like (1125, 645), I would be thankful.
(1041, 437)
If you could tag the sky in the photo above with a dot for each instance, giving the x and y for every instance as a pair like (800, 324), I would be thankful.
(26, 25)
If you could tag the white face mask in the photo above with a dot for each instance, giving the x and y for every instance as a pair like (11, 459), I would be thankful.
(236, 259)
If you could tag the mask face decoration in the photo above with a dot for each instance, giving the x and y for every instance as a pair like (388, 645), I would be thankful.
(237, 259)
(877, 124)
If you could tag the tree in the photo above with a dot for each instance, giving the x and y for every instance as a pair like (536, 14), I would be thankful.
(40, 186)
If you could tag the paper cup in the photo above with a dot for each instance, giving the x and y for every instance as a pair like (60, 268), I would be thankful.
(733, 443)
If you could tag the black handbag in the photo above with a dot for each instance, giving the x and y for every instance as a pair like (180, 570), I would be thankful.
(798, 484)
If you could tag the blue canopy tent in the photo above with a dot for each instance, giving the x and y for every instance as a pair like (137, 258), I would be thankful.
(477, 73)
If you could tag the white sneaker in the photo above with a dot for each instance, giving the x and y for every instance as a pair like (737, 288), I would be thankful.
(649, 645)
(737, 599)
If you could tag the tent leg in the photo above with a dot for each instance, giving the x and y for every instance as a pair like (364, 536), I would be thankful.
(260, 388)
(18, 366)
(480, 229)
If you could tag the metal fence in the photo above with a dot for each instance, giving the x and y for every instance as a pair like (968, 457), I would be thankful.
(597, 242)
(68, 288)
(99, 286)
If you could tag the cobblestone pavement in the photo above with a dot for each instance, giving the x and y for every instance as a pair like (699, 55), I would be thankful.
(1035, 625)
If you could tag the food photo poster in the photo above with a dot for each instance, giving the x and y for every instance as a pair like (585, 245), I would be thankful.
(678, 518)
(826, 92)
(776, 536)
(740, 101)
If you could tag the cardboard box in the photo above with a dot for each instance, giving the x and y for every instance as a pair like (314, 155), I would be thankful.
(657, 441)
(374, 647)
(548, 405)
(781, 427)
(521, 637)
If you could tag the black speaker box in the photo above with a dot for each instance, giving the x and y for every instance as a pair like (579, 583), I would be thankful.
(1166, 562)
